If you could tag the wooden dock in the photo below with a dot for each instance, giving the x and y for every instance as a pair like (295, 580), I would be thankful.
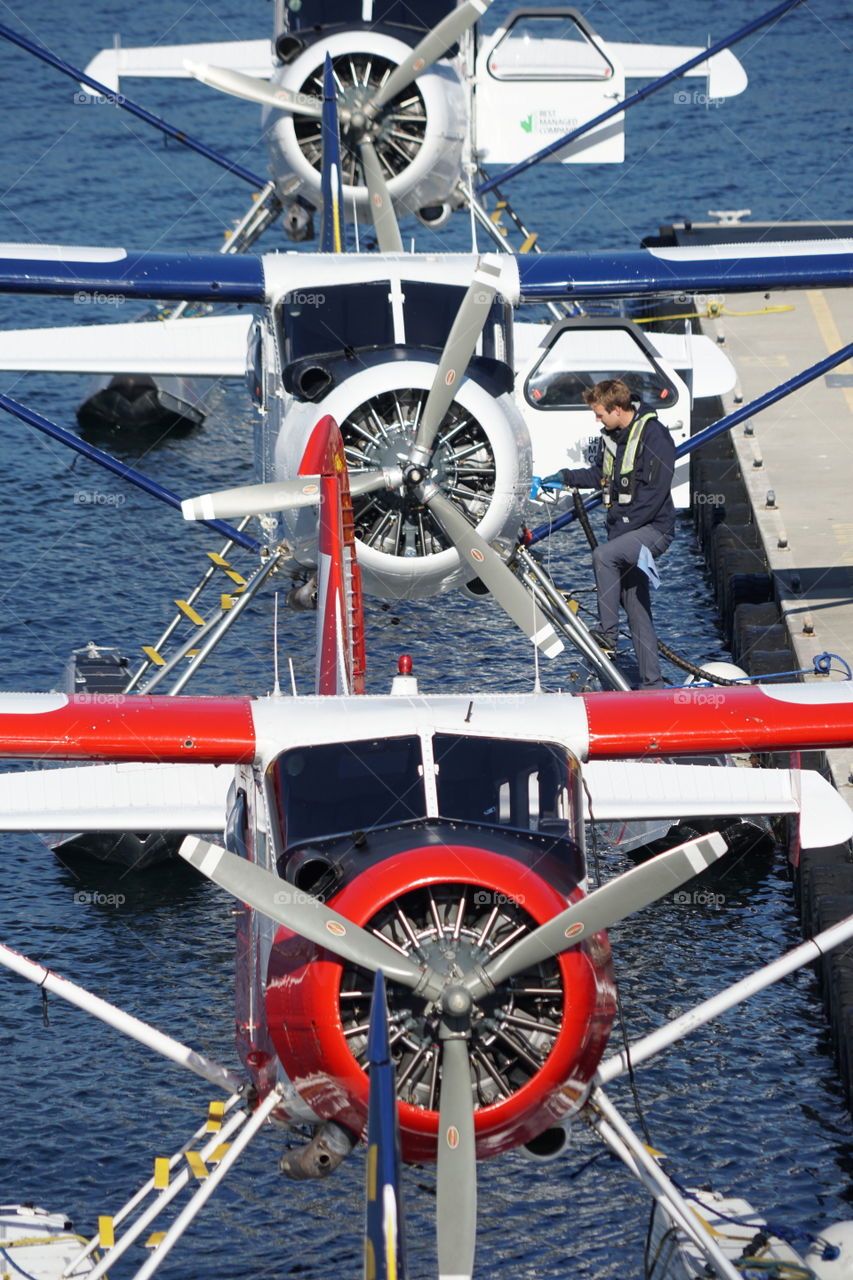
(796, 460)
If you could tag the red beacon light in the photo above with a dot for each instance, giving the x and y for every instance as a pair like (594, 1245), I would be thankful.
(404, 682)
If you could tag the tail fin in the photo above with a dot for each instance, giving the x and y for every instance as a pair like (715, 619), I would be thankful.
(340, 615)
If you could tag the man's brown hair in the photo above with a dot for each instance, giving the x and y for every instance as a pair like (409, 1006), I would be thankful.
(611, 394)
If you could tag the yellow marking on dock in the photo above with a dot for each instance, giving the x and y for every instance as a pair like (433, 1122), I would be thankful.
(106, 1232)
(529, 242)
(154, 1239)
(831, 336)
(153, 656)
(161, 1173)
(218, 1153)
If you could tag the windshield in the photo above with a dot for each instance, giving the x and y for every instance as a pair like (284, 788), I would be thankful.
(504, 782)
(348, 786)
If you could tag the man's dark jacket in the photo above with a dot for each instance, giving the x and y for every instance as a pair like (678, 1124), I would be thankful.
(652, 501)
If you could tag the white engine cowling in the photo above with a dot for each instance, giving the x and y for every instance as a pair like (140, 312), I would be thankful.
(421, 169)
(481, 461)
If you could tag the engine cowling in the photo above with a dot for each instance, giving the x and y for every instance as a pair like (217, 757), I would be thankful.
(535, 1043)
(420, 133)
(481, 461)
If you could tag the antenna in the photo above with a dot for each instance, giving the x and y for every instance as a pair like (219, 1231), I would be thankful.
(276, 688)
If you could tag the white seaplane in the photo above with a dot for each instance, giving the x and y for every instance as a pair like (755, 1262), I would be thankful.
(437, 841)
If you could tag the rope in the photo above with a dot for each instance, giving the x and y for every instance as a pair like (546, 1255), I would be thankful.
(714, 309)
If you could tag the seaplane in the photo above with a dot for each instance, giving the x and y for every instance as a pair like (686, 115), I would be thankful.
(416, 126)
(422, 959)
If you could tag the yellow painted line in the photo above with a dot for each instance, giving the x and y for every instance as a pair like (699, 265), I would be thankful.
(153, 656)
(218, 1152)
(106, 1232)
(529, 242)
(197, 1166)
(372, 1170)
(218, 559)
(189, 612)
(161, 1173)
(226, 602)
(154, 1239)
(832, 338)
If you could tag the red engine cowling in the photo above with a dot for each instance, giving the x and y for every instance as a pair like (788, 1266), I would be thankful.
(535, 1043)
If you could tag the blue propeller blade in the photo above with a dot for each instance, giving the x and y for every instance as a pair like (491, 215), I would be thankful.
(634, 98)
(331, 184)
(128, 105)
(130, 474)
(384, 1236)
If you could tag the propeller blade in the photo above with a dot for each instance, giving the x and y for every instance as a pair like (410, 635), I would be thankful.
(384, 1234)
(332, 239)
(381, 205)
(487, 565)
(254, 499)
(306, 915)
(456, 1173)
(458, 351)
(361, 482)
(426, 51)
(613, 901)
(253, 89)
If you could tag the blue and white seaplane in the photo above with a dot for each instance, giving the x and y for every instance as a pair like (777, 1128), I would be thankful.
(424, 103)
(422, 962)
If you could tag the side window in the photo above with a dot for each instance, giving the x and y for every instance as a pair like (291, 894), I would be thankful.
(574, 362)
(547, 47)
(255, 365)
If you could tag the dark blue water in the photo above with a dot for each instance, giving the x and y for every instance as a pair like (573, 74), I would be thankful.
(752, 1103)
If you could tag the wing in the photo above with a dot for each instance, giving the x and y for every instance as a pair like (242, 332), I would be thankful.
(116, 797)
(635, 790)
(209, 346)
(251, 57)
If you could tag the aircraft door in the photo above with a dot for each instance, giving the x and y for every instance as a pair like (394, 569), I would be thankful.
(538, 77)
(576, 354)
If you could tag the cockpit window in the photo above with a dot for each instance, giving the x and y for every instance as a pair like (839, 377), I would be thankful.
(572, 364)
(351, 786)
(328, 319)
(539, 46)
(504, 782)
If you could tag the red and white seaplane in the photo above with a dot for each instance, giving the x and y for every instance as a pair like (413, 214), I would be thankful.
(439, 841)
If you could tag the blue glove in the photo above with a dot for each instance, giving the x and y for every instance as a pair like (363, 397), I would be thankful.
(540, 487)
(555, 481)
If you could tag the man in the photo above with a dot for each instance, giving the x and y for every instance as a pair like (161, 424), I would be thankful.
(635, 472)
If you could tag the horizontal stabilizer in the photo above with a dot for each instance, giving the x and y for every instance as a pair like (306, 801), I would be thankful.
(726, 76)
(252, 57)
(201, 347)
(639, 790)
(116, 797)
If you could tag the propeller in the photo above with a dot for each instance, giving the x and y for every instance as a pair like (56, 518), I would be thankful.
(487, 565)
(454, 998)
(618, 898)
(426, 51)
(381, 204)
(458, 350)
(307, 916)
(253, 89)
(456, 1168)
(282, 495)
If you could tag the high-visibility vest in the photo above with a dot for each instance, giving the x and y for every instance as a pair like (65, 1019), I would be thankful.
(625, 484)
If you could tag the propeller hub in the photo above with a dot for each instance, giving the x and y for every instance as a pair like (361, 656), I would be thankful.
(456, 1001)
